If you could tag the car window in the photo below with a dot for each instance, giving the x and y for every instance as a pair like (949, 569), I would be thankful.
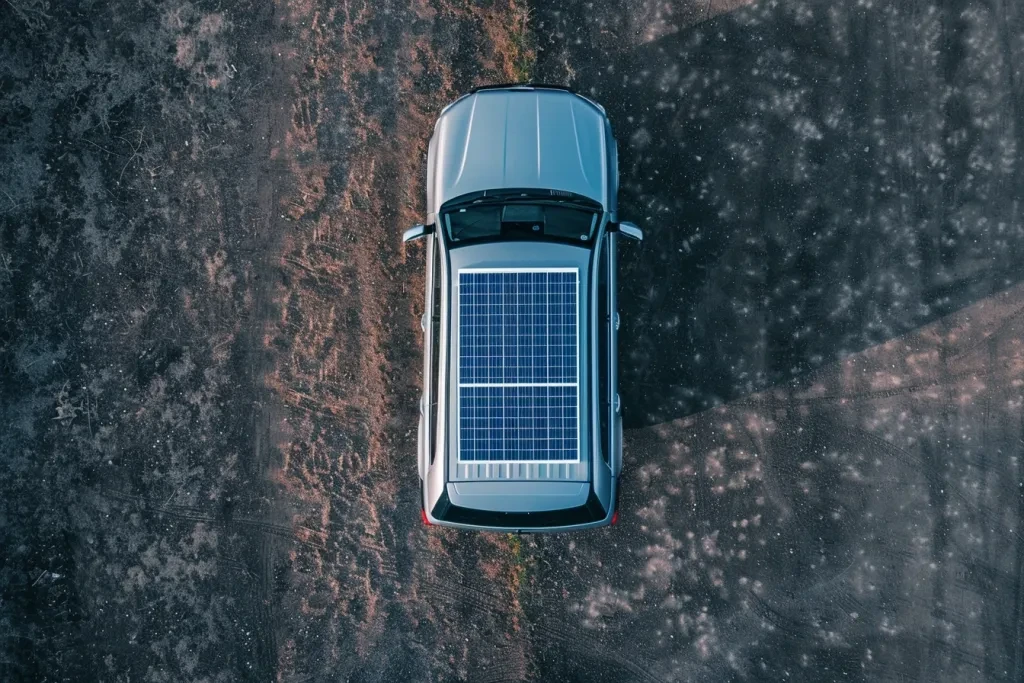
(474, 222)
(520, 220)
(570, 223)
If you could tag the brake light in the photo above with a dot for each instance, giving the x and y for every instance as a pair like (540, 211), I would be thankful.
(423, 516)
(615, 517)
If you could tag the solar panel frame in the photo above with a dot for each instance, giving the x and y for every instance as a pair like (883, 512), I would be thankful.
(572, 382)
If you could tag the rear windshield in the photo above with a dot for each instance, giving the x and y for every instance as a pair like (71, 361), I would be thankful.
(520, 220)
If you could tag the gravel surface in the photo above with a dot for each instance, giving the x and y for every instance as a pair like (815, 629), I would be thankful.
(210, 350)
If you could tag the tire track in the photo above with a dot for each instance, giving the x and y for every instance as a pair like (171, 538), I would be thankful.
(239, 566)
(297, 533)
(465, 596)
(499, 672)
(267, 646)
(578, 642)
(778, 620)
(983, 579)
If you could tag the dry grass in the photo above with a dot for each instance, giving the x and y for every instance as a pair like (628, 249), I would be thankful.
(521, 55)
(510, 37)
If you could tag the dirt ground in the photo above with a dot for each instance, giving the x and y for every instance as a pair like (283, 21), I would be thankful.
(210, 351)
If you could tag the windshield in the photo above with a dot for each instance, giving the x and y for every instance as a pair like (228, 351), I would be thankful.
(510, 219)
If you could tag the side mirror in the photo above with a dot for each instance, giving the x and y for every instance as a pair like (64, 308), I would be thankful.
(417, 231)
(631, 230)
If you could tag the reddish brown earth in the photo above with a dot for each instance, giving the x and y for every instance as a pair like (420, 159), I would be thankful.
(210, 360)
(210, 356)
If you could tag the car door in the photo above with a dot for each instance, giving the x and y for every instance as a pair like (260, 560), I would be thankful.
(431, 325)
(607, 348)
(613, 352)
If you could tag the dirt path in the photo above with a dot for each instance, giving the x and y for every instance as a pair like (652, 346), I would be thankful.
(209, 344)
(347, 357)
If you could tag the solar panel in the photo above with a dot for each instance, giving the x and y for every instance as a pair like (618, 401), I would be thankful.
(518, 367)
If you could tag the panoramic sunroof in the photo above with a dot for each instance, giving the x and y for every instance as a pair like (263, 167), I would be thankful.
(518, 389)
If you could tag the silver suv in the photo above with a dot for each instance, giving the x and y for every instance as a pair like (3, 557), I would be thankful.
(520, 426)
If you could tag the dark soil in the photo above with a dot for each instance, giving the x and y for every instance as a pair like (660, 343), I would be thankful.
(210, 353)
(822, 346)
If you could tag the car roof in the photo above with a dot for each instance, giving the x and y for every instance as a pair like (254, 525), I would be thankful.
(479, 397)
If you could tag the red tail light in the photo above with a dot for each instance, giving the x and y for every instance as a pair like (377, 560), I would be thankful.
(615, 517)
(423, 516)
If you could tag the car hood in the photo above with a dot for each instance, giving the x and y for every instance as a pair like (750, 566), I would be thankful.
(520, 138)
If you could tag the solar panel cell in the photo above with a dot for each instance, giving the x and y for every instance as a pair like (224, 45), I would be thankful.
(518, 369)
(518, 423)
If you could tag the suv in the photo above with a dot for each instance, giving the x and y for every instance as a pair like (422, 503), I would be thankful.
(520, 427)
